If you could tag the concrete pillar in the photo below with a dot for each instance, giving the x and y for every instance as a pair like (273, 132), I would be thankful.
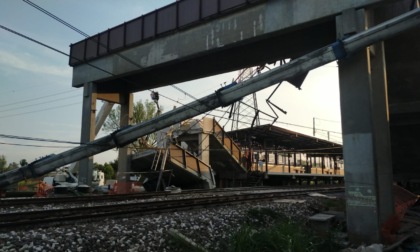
(366, 143)
(126, 118)
(87, 131)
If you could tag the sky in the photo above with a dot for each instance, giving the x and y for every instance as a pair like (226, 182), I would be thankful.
(37, 99)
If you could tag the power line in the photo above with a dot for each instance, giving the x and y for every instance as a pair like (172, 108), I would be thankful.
(39, 103)
(38, 98)
(33, 40)
(55, 17)
(37, 139)
(327, 120)
(34, 111)
(33, 145)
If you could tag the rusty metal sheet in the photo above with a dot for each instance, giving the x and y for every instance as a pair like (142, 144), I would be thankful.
(229, 4)
(103, 43)
(166, 18)
(133, 31)
(149, 27)
(116, 37)
(188, 12)
(209, 8)
(77, 53)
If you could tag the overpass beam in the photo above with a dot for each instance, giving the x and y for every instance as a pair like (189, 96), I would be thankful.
(87, 131)
(366, 140)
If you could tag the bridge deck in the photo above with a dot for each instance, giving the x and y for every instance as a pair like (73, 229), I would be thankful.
(255, 34)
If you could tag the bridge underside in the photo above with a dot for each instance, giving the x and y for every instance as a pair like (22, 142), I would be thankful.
(258, 51)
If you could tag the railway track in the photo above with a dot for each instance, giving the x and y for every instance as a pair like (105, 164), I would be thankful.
(6, 202)
(89, 213)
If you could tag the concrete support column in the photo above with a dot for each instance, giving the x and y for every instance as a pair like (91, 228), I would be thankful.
(366, 142)
(87, 131)
(126, 118)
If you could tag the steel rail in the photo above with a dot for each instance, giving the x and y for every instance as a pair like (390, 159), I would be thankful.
(72, 215)
(126, 197)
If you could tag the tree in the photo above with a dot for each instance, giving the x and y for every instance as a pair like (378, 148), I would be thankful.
(114, 165)
(12, 166)
(108, 171)
(141, 112)
(106, 168)
(23, 162)
(3, 163)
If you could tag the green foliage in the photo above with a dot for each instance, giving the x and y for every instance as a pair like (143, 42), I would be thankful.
(141, 112)
(263, 216)
(3, 163)
(12, 166)
(108, 171)
(114, 165)
(23, 162)
(277, 233)
(106, 168)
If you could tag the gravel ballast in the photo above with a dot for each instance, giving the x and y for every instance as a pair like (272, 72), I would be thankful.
(209, 228)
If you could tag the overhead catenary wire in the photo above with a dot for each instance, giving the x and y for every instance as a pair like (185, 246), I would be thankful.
(40, 110)
(39, 103)
(55, 17)
(38, 139)
(37, 146)
(37, 98)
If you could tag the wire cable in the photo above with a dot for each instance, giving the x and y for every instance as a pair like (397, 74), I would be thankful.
(37, 139)
(55, 17)
(34, 111)
(38, 146)
(39, 103)
(38, 98)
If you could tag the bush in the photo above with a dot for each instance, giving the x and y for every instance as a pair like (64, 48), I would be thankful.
(282, 234)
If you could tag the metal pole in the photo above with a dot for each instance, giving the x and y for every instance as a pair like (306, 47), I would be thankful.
(313, 125)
